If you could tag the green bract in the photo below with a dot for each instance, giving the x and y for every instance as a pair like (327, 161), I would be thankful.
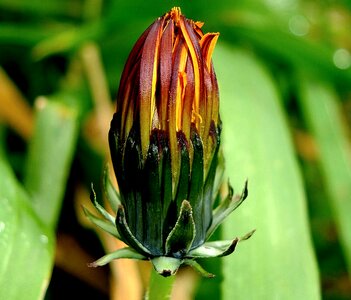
(164, 142)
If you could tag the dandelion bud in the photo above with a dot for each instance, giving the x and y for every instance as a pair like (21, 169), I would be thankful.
(164, 142)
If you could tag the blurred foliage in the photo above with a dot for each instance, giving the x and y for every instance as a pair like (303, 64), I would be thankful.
(284, 69)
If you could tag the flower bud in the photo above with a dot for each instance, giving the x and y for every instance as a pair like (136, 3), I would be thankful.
(164, 142)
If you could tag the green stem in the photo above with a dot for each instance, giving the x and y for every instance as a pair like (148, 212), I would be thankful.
(160, 287)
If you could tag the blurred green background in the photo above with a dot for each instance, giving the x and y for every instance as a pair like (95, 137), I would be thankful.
(284, 70)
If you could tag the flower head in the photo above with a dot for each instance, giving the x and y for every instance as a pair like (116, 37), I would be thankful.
(164, 142)
(168, 85)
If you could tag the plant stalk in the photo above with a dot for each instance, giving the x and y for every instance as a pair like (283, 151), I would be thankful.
(160, 288)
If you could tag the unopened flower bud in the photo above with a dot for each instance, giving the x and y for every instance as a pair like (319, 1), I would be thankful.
(164, 142)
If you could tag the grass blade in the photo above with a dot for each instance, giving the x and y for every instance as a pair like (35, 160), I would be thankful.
(323, 116)
(26, 245)
(50, 155)
(278, 262)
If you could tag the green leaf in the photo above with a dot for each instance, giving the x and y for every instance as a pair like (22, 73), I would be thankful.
(66, 40)
(49, 159)
(23, 34)
(312, 55)
(26, 245)
(322, 112)
(279, 263)
(36, 8)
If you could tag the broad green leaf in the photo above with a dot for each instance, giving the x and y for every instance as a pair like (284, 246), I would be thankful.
(50, 155)
(323, 116)
(26, 245)
(278, 262)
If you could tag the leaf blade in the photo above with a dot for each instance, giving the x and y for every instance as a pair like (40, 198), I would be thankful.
(50, 155)
(321, 110)
(26, 244)
(257, 143)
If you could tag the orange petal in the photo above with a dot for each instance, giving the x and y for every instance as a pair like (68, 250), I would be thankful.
(147, 82)
(165, 71)
(208, 43)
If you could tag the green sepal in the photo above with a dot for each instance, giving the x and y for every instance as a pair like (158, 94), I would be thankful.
(182, 235)
(166, 266)
(225, 208)
(152, 231)
(197, 267)
(130, 180)
(103, 224)
(126, 252)
(110, 191)
(185, 171)
(166, 186)
(218, 181)
(126, 234)
(208, 192)
(100, 209)
(196, 188)
(214, 249)
(247, 236)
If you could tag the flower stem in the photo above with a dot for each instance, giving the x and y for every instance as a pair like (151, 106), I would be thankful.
(160, 287)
